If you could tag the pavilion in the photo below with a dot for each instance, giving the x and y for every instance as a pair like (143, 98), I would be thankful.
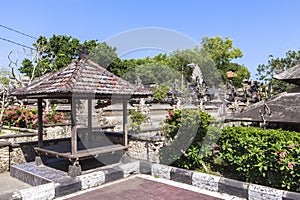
(79, 80)
(280, 111)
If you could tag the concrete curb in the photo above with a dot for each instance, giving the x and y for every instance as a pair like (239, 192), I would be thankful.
(198, 179)
(263, 192)
(45, 191)
(82, 182)
(182, 176)
(218, 184)
(67, 187)
(233, 187)
(206, 181)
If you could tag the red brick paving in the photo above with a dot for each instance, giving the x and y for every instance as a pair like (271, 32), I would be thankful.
(139, 188)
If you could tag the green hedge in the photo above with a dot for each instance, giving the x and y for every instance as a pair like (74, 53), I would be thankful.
(267, 157)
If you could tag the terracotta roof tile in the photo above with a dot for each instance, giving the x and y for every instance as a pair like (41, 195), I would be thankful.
(80, 77)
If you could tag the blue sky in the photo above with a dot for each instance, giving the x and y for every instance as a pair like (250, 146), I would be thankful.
(258, 27)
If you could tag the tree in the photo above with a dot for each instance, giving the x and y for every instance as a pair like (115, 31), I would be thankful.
(59, 50)
(104, 55)
(222, 53)
(266, 72)
(55, 53)
(181, 58)
(9, 81)
(4, 89)
(121, 67)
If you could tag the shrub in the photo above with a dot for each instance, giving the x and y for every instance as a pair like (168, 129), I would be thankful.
(25, 118)
(136, 119)
(267, 157)
(187, 130)
(160, 93)
(189, 122)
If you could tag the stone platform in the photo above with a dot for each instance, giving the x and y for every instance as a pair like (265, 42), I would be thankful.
(40, 175)
(37, 175)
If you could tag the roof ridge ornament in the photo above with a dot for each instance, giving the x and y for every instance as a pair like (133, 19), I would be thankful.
(266, 111)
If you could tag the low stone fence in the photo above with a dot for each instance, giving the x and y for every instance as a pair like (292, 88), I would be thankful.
(220, 184)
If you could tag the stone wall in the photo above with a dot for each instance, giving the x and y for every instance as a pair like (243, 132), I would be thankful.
(4, 156)
(24, 152)
(140, 147)
(21, 154)
(18, 148)
(18, 135)
(17, 145)
(145, 147)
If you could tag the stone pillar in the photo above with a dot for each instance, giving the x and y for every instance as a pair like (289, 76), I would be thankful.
(125, 126)
(40, 122)
(73, 127)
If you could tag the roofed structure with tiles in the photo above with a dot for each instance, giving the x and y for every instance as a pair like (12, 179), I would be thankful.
(80, 77)
(282, 110)
(291, 75)
(87, 80)
(284, 107)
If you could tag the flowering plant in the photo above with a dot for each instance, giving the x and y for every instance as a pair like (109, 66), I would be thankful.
(28, 118)
(268, 157)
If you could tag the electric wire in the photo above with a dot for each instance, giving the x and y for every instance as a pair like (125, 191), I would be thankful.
(22, 45)
(14, 30)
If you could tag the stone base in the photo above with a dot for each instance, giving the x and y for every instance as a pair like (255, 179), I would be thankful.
(38, 175)
(38, 161)
(74, 170)
(30, 174)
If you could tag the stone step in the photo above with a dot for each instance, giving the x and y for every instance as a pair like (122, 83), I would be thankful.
(38, 175)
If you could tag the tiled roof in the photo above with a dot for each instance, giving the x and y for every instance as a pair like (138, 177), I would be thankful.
(291, 75)
(80, 77)
(284, 107)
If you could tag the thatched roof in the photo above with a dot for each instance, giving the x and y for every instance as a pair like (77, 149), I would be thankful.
(284, 107)
(291, 75)
(81, 78)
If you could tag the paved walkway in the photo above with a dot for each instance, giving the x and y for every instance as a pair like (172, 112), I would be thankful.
(140, 188)
(9, 185)
(146, 188)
